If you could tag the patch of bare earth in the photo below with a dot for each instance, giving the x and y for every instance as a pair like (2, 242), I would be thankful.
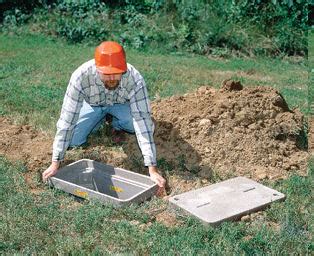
(232, 131)
(23, 143)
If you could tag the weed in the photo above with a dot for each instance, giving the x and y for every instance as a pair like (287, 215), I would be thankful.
(163, 164)
(181, 163)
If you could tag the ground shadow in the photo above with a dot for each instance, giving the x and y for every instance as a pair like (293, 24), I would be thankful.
(175, 156)
(172, 149)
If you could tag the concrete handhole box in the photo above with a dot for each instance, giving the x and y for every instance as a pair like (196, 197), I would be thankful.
(226, 200)
(94, 180)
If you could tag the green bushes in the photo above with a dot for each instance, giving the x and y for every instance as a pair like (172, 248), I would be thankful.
(15, 7)
(254, 27)
(79, 20)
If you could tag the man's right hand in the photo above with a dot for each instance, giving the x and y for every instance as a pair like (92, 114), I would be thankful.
(52, 170)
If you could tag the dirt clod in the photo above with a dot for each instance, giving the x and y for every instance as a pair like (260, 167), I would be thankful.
(231, 85)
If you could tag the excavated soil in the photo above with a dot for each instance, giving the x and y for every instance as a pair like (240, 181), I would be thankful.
(231, 131)
(200, 136)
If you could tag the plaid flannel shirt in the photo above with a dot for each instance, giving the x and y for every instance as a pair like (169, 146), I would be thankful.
(85, 84)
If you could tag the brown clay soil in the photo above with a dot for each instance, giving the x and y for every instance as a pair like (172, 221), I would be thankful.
(200, 136)
(231, 131)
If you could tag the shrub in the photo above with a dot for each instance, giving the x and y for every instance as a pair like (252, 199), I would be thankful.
(256, 27)
(9, 7)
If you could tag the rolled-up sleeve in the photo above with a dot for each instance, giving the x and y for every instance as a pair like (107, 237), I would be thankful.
(71, 106)
(143, 124)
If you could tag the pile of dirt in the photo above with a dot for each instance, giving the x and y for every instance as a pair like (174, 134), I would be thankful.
(231, 131)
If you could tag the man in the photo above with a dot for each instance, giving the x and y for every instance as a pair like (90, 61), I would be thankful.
(101, 86)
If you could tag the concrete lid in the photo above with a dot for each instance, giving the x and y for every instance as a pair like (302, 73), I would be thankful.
(226, 200)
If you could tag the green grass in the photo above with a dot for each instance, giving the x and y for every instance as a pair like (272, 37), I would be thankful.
(34, 73)
(311, 49)
(47, 223)
(311, 69)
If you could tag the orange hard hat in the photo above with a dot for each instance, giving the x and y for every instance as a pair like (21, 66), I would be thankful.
(110, 58)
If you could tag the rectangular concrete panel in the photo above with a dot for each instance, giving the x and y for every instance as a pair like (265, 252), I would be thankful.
(93, 180)
(226, 200)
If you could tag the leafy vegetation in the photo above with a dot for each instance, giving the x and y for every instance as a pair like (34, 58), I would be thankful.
(223, 28)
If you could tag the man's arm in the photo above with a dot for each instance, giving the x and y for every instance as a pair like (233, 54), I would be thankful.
(71, 106)
(144, 127)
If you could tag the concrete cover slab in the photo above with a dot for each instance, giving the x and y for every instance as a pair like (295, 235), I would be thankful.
(226, 200)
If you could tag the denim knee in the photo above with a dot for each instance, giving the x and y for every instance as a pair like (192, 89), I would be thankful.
(126, 125)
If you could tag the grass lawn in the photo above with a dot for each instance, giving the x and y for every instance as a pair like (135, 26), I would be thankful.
(34, 72)
(50, 223)
(311, 69)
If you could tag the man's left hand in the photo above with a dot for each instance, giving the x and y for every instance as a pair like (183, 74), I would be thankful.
(156, 177)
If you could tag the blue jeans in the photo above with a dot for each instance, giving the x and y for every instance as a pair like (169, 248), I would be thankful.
(91, 118)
